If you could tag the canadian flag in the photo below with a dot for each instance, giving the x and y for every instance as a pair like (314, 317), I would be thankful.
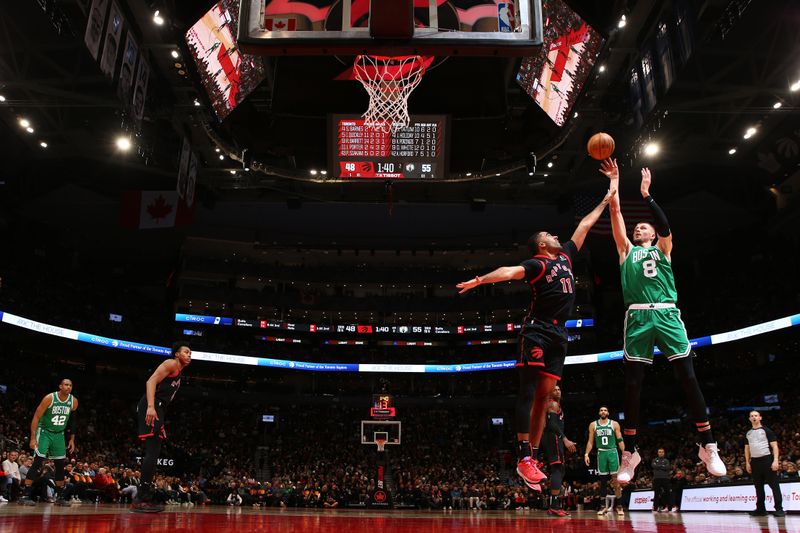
(153, 210)
(280, 24)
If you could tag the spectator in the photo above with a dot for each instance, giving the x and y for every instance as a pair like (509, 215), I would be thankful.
(661, 476)
(13, 478)
(129, 486)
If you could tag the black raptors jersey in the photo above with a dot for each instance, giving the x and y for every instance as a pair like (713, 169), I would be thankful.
(552, 285)
(555, 420)
(167, 389)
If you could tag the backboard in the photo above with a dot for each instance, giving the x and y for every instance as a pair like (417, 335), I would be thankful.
(386, 430)
(342, 27)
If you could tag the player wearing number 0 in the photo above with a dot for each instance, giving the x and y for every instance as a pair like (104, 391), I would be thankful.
(543, 338)
(55, 413)
(606, 436)
(160, 390)
(652, 318)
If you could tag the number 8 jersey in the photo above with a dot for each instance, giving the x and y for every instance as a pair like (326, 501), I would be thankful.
(56, 416)
(647, 277)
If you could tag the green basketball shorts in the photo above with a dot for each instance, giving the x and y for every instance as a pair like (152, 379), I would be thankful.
(647, 325)
(50, 445)
(607, 462)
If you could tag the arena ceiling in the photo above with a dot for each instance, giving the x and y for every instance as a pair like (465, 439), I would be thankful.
(744, 62)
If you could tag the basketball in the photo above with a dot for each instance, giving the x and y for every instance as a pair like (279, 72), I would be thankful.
(600, 146)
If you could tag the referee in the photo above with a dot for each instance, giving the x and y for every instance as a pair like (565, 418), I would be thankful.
(762, 460)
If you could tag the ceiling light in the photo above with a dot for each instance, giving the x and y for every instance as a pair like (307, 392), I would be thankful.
(545, 175)
(732, 151)
(123, 143)
(651, 149)
(602, 68)
(196, 102)
(550, 164)
(776, 105)
(497, 174)
(24, 122)
(232, 172)
(216, 150)
(795, 86)
(221, 157)
(158, 19)
(323, 172)
(313, 172)
(43, 144)
(575, 115)
(622, 22)
(750, 132)
(29, 129)
(530, 173)
(175, 54)
(2, 98)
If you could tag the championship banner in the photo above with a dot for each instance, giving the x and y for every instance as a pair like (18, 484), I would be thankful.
(113, 41)
(94, 27)
(183, 168)
(128, 69)
(140, 89)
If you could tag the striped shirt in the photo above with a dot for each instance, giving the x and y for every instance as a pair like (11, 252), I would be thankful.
(758, 439)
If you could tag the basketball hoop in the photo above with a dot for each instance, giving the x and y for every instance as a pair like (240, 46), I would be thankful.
(381, 443)
(389, 82)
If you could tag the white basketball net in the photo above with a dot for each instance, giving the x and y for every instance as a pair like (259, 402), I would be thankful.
(389, 82)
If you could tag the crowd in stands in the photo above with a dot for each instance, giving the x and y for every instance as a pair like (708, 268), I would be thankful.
(218, 452)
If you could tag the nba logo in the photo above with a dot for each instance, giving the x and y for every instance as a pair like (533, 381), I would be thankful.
(505, 17)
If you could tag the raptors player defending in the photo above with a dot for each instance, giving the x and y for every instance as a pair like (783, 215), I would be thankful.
(543, 338)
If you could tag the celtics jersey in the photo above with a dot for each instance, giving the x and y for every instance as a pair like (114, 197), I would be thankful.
(604, 437)
(56, 416)
(647, 277)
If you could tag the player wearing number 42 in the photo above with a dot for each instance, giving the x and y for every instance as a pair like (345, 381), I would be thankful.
(653, 318)
(55, 413)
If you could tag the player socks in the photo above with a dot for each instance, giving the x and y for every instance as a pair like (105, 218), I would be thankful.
(523, 449)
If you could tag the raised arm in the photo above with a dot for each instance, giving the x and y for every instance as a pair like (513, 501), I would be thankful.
(589, 444)
(588, 221)
(611, 170)
(46, 402)
(664, 242)
(506, 273)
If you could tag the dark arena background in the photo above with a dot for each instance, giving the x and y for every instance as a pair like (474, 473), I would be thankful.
(201, 173)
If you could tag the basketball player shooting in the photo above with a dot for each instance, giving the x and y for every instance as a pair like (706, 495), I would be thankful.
(652, 318)
(161, 389)
(543, 338)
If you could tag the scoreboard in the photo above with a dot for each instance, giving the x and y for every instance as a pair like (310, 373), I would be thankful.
(415, 152)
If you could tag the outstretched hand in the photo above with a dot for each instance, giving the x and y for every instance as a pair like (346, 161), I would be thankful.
(646, 179)
(610, 194)
(468, 285)
(610, 169)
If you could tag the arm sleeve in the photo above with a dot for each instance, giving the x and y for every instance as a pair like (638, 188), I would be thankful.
(533, 269)
(72, 424)
(661, 224)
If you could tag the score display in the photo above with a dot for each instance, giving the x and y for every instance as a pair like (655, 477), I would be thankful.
(417, 151)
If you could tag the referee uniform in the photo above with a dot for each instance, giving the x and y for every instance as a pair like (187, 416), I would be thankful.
(761, 458)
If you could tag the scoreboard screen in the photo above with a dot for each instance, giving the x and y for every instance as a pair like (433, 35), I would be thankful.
(416, 152)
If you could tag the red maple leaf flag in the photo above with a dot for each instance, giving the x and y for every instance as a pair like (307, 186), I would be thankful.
(149, 209)
(280, 24)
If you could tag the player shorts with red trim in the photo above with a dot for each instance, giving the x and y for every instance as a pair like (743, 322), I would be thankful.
(543, 344)
(552, 448)
(157, 428)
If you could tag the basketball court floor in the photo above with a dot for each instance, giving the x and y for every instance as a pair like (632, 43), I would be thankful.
(115, 518)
